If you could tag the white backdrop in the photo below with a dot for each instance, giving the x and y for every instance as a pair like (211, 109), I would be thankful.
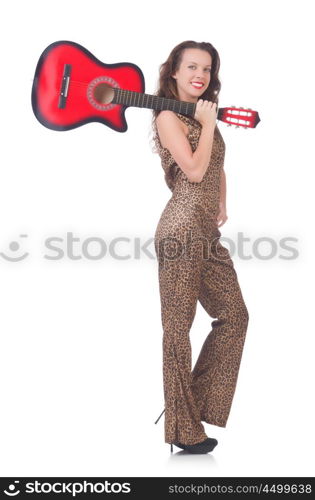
(81, 338)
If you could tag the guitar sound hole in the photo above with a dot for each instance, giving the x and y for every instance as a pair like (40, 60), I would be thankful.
(103, 93)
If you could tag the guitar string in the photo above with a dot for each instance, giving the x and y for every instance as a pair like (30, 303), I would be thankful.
(125, 92)
(121, 91)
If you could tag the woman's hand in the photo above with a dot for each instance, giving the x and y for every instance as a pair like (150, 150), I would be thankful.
(206, 113)
(221, 217)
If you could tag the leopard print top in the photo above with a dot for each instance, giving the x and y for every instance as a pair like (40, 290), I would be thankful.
(203, 196)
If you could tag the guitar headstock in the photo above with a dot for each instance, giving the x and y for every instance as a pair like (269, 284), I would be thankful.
(240, 117)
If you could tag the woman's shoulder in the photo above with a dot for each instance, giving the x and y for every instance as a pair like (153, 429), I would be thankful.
(167, 116)
(167, 120)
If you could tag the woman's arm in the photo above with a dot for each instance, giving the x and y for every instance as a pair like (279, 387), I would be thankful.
(172, 136)
(223, 188)
(222, 217)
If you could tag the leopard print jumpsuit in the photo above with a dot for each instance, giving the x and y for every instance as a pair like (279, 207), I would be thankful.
(193, 265)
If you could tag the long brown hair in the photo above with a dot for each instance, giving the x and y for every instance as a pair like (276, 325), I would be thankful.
(167, 86)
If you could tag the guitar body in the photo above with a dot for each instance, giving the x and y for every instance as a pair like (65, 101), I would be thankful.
(71, 88)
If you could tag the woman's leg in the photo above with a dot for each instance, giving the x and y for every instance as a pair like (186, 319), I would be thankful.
(179, 282)
(215, 373)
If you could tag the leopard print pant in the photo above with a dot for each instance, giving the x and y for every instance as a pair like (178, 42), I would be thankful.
(194, 266)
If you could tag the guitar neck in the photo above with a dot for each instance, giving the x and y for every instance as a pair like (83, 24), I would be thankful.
(139, 100)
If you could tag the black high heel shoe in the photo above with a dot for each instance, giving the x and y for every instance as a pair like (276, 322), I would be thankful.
(205, 446)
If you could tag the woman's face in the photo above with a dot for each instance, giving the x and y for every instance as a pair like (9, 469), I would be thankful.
(194, 68)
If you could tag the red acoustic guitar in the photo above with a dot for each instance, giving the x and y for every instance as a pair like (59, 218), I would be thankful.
(72, 87)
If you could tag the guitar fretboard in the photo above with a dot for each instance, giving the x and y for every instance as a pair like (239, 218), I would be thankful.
(131, 98)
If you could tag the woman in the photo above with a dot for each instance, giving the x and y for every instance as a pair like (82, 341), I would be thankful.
(193, 265)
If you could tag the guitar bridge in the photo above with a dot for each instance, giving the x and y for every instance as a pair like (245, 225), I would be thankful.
(64, 86)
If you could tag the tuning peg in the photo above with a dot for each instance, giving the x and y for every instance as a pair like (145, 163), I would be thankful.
(241, 107)
(232, 106)
(229, 124)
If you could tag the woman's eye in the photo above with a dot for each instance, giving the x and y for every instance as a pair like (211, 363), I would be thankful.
(194, 67)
